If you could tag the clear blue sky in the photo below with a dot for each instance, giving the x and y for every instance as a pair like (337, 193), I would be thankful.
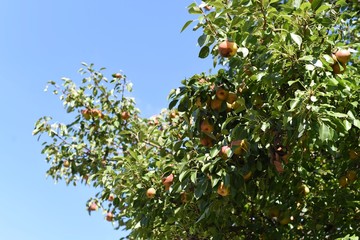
(44, 40)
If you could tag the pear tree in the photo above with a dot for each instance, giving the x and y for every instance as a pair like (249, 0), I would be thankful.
(268, 147)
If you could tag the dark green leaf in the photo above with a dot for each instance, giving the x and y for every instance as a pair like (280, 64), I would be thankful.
(204, 52)
(316, 4)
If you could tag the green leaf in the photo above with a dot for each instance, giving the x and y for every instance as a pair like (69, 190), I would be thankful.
(316, 4)
(204, 215)
(173, 104)
(201, 188)
(356, 123)
(259, 165)
(347, 125)
(214, 152)
(297, 3)
(195, 10)
(306, 58)
(322, 9)
(227, 121)
(294, 103)
(204, 52)
(133, 154)
(351, 115)
(337, 114)
(202, 40)
(186, 25)
(309, 67)
(183, 174)
(325, 132)
(184, 104)
(296, 38)
(193, 177)
(244, 51)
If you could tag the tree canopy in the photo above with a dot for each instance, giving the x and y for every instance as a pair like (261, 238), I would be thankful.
(268, 147)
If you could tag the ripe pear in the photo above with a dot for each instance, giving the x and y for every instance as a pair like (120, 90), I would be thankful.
(353, 155)
(216, 104)
(125, 115)
(86, 114)
(351, 175)
(239, 146)
(66, 164)
(109, 217)
(227, 49)
(206, 126)
(224, 153)
(223, 190)
(231, 97)
(343, 181)
(150, 193)
(343, 55)
(93, 207)
(247, 175)
(168, 181)
(111, 197)
(206, 141)
(221, 93)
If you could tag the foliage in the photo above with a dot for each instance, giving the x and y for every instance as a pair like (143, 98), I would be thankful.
(266, 148)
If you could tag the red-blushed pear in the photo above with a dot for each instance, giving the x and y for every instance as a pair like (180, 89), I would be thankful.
(66, 163)
(117, 75)
(202, 80)
(154, 120)
(337, 69)
(173, 115)
(111, 197)
(125, 115)
(206, 126)
(221, 93)
(96, 113)
(225, 151)
(208, 7)
(93, 207)
(343, 55)
(168, 181)
(109, 216)
(86, 114)
(227, 48)
(206, 141)
(336, 66)
(231, 97)
(239, 147)
(216, 104)
(223, 190)
(278, 166)
(150, 193)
